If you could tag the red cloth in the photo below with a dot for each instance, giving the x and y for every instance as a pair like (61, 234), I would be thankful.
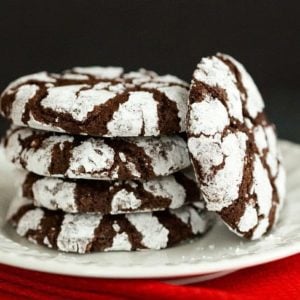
(277, 280)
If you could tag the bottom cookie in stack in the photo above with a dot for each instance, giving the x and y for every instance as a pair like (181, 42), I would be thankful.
(84, 232)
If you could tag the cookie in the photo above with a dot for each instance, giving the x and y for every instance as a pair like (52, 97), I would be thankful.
(62, 155)
(109, 197)
(98, 101)
(94, 232)
(234, 148)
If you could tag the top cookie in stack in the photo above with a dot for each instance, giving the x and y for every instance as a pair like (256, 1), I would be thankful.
(98, 101)
(130, 120)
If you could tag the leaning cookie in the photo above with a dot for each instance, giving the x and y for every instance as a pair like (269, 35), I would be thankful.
(234, 148)
(61, 155)
(109, 197)
(94, 232)
(98, 101)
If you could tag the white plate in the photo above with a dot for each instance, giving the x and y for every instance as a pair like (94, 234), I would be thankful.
(219, 251)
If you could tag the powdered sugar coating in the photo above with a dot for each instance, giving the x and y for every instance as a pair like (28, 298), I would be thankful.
(39, 159)
(280, 183)
(138, 113)
(120, 243)
(210, 116)
(190, 216)
(93, 155)
(113, 197)
(95, 158)
(261, 187)
(213, 72)
(260, 138)
(233, 147)
(249, 219)
(145, 77)
(176, 154)
(40, 77)
(83, 233)
(77, 232)
(30, 221)
(75, 100)
(254, 101)
(260, 229)
(272, 155)
(167, 187)
(24, 92)
(54, 193)
(177, 94)
(198, 224)
(100, 72)
(214, 152)
(132, 104)
(155, 235)
(124, 200)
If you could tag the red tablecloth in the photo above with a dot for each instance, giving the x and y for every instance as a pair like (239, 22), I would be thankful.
(277, 280)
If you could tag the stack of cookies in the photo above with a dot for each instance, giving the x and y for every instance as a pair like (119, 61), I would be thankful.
(103, 165)
(106, 160)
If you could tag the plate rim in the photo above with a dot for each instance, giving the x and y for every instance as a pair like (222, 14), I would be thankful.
(146, 271)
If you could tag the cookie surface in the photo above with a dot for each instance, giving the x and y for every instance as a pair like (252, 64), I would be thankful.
(110, 197)
(98, 101)
(61, 155)
(93, 232)
(234, 148)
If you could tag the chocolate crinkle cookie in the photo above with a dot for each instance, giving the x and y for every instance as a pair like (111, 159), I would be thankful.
(234, 148)
(84, 233)
(103, 157)
(60, 155)
(98, 101)
(109, 197)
